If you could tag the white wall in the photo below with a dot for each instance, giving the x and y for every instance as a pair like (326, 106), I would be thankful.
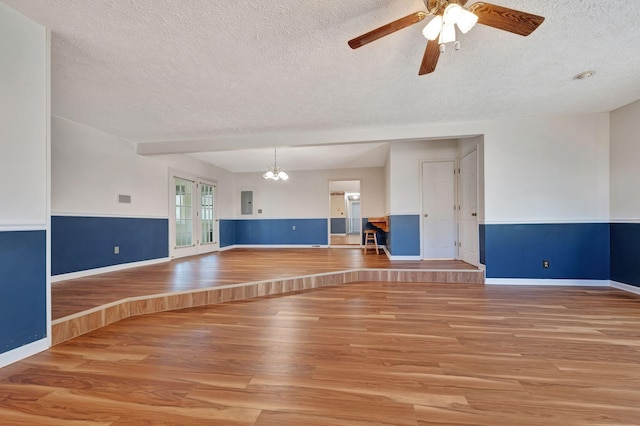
(338, 206)
(547, 170)
(625, 163)
(306, 193)
(24, 173)
(90, 168)
(536, 170)
(23, 114)
(387, 184)
(405, 159)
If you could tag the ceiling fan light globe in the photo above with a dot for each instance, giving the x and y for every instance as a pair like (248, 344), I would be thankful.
(433, 28)
(282, 175)
(467, 21)
(452, 13)
(448, 34)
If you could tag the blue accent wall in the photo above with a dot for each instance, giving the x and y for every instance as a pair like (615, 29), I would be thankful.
(574, 251)
(338, 225)
(227, 232)
(275, 232)
(625, 253)
(82, 243)
(481, 243)
(23, 288)
(403, 238)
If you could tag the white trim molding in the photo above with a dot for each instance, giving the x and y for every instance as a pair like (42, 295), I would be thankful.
(274, 246)
(546, 282)
(108, 215)
(13, 228)
(625, 287)
(544, 222)
(113, 268)
(25, 351)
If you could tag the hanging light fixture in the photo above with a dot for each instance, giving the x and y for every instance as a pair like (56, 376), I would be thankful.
(444, 25)
(275, 172)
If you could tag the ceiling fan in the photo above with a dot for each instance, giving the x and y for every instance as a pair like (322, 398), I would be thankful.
(441, 29)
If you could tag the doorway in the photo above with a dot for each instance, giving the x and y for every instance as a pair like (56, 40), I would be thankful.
(193, 227)
(449, 215)
(345, 220)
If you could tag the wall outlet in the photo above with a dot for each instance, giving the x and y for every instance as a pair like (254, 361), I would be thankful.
(545, 264)
(293, 227)
(116, 249)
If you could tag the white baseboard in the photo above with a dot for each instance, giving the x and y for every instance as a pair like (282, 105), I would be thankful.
(392, 257)
(114, 268)
(23, 352)
(546, 282)
(625, 287)
(276, 246)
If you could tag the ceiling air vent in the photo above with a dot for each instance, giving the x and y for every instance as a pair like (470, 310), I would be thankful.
(124, 199)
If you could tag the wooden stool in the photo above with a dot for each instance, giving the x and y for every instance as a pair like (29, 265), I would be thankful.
(370, 240)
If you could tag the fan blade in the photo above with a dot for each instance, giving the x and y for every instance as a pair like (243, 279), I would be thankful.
(506, 19)
(430, 59)
(385, 30)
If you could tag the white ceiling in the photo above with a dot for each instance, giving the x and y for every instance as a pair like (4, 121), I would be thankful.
(175, 70)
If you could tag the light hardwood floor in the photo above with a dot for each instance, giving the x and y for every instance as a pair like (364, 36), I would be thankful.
(346, 239)
(218, 269)
(370, 353)
(83, 305)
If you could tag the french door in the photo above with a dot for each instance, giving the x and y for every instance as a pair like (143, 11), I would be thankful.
(193, 227)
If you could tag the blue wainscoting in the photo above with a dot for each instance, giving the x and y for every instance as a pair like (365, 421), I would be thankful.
(481, 243)
(403, 238)
(338, 225)
(227, 232)
(574, 250)
(625, 253)
(23, 288)
(83, 243)
(281, 232)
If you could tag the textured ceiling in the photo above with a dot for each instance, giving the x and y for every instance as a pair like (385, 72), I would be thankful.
(165, 70)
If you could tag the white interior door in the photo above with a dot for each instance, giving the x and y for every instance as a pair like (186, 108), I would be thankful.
(468, 213)
(438, 210)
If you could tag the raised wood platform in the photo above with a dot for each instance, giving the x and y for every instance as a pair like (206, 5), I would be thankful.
(85, 304)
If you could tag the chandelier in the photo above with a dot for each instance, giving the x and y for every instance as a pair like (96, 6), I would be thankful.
(275, 172)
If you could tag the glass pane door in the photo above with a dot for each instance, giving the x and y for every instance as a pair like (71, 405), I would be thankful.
(207, 219)
(184, 213)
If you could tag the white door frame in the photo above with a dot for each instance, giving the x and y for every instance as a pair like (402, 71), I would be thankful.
(196, 247)
(329, 190)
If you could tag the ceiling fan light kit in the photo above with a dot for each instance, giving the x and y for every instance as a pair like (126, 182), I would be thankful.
(447, 15)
